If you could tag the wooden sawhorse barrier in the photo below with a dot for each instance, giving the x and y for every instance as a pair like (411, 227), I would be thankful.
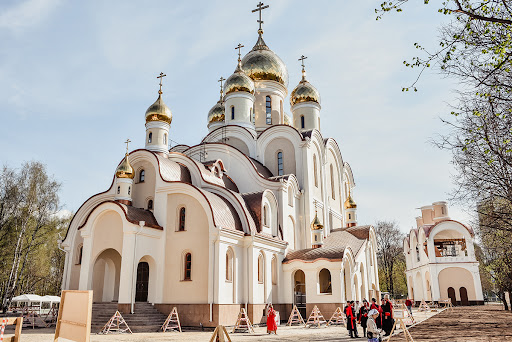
(18, 322)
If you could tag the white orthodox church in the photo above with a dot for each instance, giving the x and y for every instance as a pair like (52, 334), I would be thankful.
(260, 211)
(440, 259)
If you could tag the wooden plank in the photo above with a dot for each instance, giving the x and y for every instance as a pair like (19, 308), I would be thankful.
(74, 319)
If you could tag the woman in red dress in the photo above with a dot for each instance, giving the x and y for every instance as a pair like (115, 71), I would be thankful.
(271, 320)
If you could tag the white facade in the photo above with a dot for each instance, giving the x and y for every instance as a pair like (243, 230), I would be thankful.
(440, 259)
(227, 223)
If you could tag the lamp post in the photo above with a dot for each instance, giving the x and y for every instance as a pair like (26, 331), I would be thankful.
(134, 274)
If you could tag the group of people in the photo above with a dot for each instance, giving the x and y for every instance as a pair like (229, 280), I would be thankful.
(373, 318)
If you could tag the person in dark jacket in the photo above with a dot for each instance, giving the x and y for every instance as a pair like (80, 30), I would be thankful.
(351, 320)
(362, 315)
(387, 316)
(377, 307)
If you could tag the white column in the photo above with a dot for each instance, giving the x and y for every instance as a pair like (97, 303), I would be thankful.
(434, 283)
(478, 284)
(68, 262)
(126, 280)
(86, 268)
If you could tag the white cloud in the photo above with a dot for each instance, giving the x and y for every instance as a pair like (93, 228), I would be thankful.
(27, 14)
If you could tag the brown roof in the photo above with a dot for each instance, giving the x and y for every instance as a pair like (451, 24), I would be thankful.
(173, 171)
(224, 213)
(132, 215)
(361, 232)
(253, 202)
(262, 169)
(334, 246)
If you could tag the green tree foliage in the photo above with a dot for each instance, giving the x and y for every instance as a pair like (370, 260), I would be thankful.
(30, 261)
(391, 260)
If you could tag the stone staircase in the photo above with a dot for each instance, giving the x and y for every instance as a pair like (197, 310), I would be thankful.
(145, 319)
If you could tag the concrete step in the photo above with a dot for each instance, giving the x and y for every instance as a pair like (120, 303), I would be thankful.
(145, 319)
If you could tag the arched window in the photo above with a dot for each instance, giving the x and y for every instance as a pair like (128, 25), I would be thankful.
(324, 281)
(349, 216)
(142, 175)
(290, 196)
(150, 137)
(187, 274)
(181, 226)
(315, 170)
(165, 139)
(273, 270)
(229, 265)
(268, 110)
(265, 215)
(302, 123)
(118, 190)
(333, 193)
(260, 269)
(281, 108)
(129, 189)
(150, 205)
(280, 167)
(232, 112)
(417, 253)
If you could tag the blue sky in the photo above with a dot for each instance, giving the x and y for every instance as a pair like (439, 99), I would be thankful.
(76, 78)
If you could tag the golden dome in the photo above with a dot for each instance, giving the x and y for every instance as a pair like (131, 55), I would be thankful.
(261, 63)
(125, 170)
(159, 111)
(239, 81)
(350, 203)
(316, 225)
(216, 114)
(304, 92)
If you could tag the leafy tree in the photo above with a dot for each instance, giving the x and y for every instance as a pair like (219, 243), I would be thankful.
(29, 256)
(390, 256)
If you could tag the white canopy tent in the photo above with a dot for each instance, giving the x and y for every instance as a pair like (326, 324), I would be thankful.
(36, 300)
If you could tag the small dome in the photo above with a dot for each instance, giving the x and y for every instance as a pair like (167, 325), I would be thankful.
(239, 81)
(350, 203)
(287, 120)
(159, 111)
(304, 92)
(216, 114)
(261, 63)
(125, 170)
(316, 225)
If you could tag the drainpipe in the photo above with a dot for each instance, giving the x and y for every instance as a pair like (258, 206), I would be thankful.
(134, 274)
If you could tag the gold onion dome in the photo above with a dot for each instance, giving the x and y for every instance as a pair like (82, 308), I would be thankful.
(239, 81)
(217, 113)
(304, 92)
(261, 63)
(159, 111)
(125, 170)
(316, 225)
(350, 203)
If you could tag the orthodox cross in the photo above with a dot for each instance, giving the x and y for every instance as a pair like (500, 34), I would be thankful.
(162, 75)
(127, 142)
(221, 80)
(301, 59)
(239, 48)
(259, 9)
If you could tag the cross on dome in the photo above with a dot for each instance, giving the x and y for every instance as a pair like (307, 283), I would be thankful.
(127, 142)
(221, 80)
(162, 75)
(239, 48)
(301, 59)
(260, 8)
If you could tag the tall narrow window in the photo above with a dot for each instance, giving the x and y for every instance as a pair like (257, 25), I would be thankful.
(165, 139)
(188, 267)
(315, 170)
(265, 216)
(260, 268)
(273, 267)
(232, 112)
(142, 175)
(150, 137)
(229, 265)
(302, 124)
(251, 115)
(333, 193)
(182, 220)
(129, 189)
(290, 196)
(281, 113)
(118, 190)
(268, 110)
(150, 205)
(80, 252)
(280, 168)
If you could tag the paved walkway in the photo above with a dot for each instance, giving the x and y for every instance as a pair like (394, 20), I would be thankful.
(334, 333)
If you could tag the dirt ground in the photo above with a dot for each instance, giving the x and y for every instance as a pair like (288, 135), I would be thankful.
(481, 323)
(475, 324)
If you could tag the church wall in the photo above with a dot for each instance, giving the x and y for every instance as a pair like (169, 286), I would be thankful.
(143, 191)
(107, 233)
(336, 203)
(456, 277)
(193, 240)
(238, 144)
(75, 263)
(271, 150)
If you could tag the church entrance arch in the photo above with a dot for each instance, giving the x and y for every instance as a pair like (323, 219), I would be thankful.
(142, 284)
(451, 295)
(463, 296)
(106, 275)
(299, 291)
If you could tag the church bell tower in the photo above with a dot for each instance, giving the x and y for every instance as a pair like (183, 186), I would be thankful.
(158, 123)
